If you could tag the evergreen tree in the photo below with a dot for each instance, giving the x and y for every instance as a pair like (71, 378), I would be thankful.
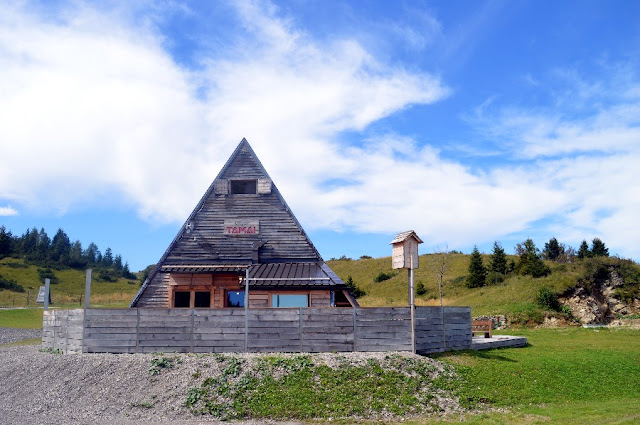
(6, 242)
(598, 248)
(583, 251)
(497, 269)
(77, 259)
(29, 242)
(552, 250)
(126, 273)
(44, 243)
(357, 292)
(117, 263)
(477, 272)
(530, 262)
(91, 253)
(107, 258)
(60, 248)
(498, 259)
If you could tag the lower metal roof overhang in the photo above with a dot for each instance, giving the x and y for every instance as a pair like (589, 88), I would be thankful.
(202, 268)
(268, 275)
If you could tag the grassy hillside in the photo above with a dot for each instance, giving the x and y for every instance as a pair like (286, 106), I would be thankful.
(68, 291)
(514, 297)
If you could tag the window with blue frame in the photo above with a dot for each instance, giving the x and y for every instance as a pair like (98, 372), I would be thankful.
(289, 300)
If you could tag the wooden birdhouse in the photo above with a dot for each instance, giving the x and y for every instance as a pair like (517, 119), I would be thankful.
(405, 250)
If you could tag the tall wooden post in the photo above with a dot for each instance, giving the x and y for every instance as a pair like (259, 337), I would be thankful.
(47, 283)
(405, 256)
(246, 310)
(412, 307)
(87, 289)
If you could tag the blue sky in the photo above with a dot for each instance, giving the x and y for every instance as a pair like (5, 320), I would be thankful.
(467, 121)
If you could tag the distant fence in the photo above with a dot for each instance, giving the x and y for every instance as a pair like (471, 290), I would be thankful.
(148, 330)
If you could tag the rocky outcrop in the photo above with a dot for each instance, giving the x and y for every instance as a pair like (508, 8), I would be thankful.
(599, 305)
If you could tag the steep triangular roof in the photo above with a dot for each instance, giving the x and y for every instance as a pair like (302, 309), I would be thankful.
(204, 239)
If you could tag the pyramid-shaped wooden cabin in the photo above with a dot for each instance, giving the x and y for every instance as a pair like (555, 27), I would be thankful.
(242, 227)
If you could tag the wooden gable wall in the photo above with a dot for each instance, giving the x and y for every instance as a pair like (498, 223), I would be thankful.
(205, 240)
(202, 238)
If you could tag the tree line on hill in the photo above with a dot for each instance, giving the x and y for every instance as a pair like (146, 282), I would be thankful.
(36, 247)
(529, 260)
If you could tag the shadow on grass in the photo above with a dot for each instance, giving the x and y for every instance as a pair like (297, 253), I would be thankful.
(490, 354)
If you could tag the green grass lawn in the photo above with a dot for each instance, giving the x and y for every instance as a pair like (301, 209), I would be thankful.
(565, 376)
(24, 318)
(69, 292)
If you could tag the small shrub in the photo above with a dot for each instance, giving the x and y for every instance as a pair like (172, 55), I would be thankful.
(548, 299)
(493, 278)
(366, 257)
(160, 363)
(420, 289)
(459, 280)
(527, 314)
(107, 275)
(382, 276)
(627, 293)
(143, 404)
(47, 273)
(10, 284)
(193, 396)
(560, 268)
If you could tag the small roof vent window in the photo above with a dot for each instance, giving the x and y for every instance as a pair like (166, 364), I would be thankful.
(243, 187)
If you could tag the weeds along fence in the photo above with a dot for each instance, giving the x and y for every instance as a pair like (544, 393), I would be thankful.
(148, 330)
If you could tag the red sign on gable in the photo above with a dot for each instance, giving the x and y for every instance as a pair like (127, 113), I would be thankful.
(241, 228)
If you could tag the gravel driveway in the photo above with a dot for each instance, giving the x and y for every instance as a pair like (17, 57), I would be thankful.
(43, 388)
(8, 335)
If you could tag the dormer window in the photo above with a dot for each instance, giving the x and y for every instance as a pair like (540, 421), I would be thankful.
(244, 187)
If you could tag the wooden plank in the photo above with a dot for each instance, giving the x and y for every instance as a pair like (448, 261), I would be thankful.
(218, 331)
(163, 337)
(324, 348)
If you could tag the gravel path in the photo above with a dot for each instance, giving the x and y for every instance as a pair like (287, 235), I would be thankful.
(8, 335)
(42, 388)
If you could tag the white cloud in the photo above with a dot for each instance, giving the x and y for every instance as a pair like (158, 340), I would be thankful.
(587, 150)
(96, 111)
(94, 105)
(8, 211)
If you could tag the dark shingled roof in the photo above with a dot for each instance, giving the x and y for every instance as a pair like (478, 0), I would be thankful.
(280, 253)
